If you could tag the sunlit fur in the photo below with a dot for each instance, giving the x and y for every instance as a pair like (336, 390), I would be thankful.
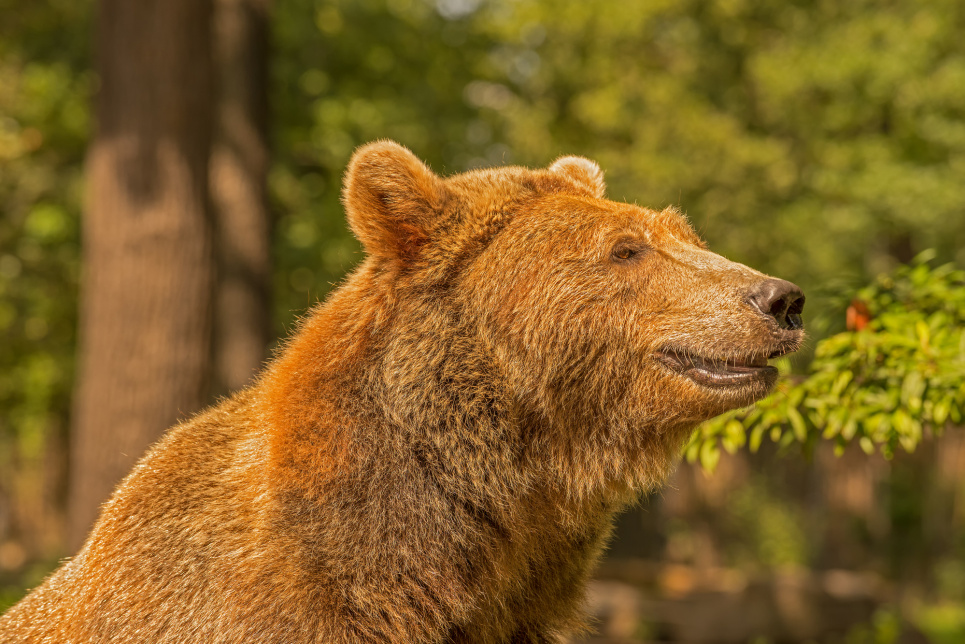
(437, 454)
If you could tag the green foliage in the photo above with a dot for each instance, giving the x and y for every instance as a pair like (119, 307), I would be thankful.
(45, 88)
(884, 387)
(943, 623)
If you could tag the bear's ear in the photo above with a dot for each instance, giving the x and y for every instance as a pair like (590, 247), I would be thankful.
(583, 173)
(391, 200)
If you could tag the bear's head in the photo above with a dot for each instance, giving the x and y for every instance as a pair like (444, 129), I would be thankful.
(603, 327)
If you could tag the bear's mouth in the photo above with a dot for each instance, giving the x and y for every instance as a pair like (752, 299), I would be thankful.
(719, 372)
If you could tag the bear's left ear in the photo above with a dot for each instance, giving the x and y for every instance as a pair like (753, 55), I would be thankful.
(391, 200)
(583, 173)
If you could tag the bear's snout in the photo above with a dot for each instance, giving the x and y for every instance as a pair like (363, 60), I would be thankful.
(780, 300)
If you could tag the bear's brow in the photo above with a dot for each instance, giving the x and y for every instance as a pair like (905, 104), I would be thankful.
(678, 225)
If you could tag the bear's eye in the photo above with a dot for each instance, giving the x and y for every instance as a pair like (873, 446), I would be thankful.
(624, 251)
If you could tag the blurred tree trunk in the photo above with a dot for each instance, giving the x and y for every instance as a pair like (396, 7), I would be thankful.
(239, 165)
(175, 233)
(145, 325)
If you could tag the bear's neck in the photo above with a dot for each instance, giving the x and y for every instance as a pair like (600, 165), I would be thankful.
(386, 421)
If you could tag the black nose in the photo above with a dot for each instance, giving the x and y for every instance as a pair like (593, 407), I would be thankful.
(780, 300)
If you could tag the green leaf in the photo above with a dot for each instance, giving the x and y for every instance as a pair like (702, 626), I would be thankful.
(692, 450)
(797, 424)
(849, 429)
(734, 436)
(840, 382)
(912, 389)
(757, 434)
(924, 335)
(709, 456)
(940, 412)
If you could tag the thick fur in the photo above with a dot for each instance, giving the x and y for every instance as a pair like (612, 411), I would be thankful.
(437, 454)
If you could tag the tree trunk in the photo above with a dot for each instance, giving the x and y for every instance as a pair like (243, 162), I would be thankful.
(239, 165)
(145, 327)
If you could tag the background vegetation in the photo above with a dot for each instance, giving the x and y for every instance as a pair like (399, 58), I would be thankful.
(819, 141)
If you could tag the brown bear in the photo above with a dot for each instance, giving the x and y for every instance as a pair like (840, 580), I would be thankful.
(437, 454)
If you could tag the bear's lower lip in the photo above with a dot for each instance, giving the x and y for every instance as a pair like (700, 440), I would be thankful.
(711, 372)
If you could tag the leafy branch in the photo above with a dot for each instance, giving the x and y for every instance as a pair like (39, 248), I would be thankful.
(885, 386)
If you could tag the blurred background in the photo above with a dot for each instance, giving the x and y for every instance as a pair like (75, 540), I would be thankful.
(169, 192)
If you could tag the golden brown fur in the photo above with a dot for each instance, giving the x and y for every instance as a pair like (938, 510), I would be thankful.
(437, 454)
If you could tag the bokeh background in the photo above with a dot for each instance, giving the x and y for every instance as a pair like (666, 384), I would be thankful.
(181, 160)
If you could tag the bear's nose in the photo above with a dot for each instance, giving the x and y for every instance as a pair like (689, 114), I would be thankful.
(780, 300)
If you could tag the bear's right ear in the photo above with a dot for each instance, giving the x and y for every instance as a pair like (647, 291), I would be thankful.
(582, 173)
(391, 199)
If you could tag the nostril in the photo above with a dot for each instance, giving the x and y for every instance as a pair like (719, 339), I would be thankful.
(794, 310)
(778, 308)
(780, 300)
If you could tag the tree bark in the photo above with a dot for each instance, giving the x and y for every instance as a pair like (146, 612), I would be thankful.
(145, 326)
(238, 171)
